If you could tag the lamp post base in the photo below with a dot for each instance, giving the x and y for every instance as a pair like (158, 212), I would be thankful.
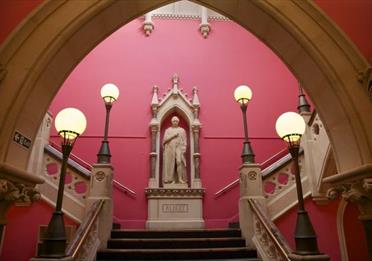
(247, 153)
(318, 257)
(305, 237)
(104, 154)
(54, 244)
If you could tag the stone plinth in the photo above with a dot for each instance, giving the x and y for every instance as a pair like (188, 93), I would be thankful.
(174, 208)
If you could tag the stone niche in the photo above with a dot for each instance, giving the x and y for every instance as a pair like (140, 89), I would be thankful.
(175, 205)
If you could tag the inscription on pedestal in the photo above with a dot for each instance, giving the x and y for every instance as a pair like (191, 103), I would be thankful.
(175, 208)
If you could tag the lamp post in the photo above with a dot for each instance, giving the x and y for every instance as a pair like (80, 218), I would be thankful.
(290, 126)
(70, 123)
(109, 93)
(243, 95)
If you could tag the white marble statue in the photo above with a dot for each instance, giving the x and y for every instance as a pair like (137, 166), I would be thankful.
(174, 161)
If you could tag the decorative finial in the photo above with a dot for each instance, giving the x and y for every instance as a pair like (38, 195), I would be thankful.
(195, 97)
(303, 105)
(155, 100)
(175, 85)
(175, 79)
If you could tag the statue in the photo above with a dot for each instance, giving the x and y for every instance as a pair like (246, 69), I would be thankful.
(174, 161)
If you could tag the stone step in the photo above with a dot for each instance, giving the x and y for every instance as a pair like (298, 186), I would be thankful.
(176, 254)
(175, 243)
(189, 233)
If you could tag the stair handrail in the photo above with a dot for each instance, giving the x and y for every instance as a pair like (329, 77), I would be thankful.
(84, 229)
(269, 169)
(84, 168)
(278, 241)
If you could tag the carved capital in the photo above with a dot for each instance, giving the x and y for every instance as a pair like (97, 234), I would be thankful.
(367, 184)
(17, 192)
(195, 128)
(358, 192)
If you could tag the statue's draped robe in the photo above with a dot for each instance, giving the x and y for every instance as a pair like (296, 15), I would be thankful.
(174, 152)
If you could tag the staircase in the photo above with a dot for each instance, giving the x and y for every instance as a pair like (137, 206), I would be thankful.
(209, 244)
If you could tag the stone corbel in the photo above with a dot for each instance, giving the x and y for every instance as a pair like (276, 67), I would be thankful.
(17, 192)
(148, 25)
(16, 186)
(358, 192)
(204, 27)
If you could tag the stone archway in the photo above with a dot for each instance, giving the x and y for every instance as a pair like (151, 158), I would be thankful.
(44, 50)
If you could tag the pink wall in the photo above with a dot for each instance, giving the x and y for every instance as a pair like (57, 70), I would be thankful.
(324, 220)
(128, 132)
(20, 237)
(354, 18)
(229, 57)
(354, 234)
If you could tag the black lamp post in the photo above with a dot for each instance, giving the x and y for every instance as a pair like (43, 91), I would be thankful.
(109, 93)
(70, 123)
(243, 95)
(290, 126)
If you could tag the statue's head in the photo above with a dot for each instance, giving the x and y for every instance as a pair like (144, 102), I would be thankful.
(175, 121)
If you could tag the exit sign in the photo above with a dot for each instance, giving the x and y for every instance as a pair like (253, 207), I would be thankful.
(22, 140)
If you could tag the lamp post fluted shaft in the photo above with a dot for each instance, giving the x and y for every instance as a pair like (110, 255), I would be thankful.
(247, 153)
(104, 154)
(54, 244)
(66, 150)
(294, 154)
(305, 237)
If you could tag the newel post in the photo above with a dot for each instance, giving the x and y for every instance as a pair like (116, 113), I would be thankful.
(250, 188)
(100, 187)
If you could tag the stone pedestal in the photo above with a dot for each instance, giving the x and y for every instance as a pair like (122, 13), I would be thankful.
(174, 208)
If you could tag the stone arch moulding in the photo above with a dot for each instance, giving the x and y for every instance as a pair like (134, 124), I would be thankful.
(175, 101)
(44, 49)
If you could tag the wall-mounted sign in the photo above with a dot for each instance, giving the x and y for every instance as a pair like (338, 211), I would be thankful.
(22, 140)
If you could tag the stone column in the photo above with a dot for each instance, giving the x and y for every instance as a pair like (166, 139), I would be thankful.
(100, 187)
(154, 127)
(250, 188)
(196, 157)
